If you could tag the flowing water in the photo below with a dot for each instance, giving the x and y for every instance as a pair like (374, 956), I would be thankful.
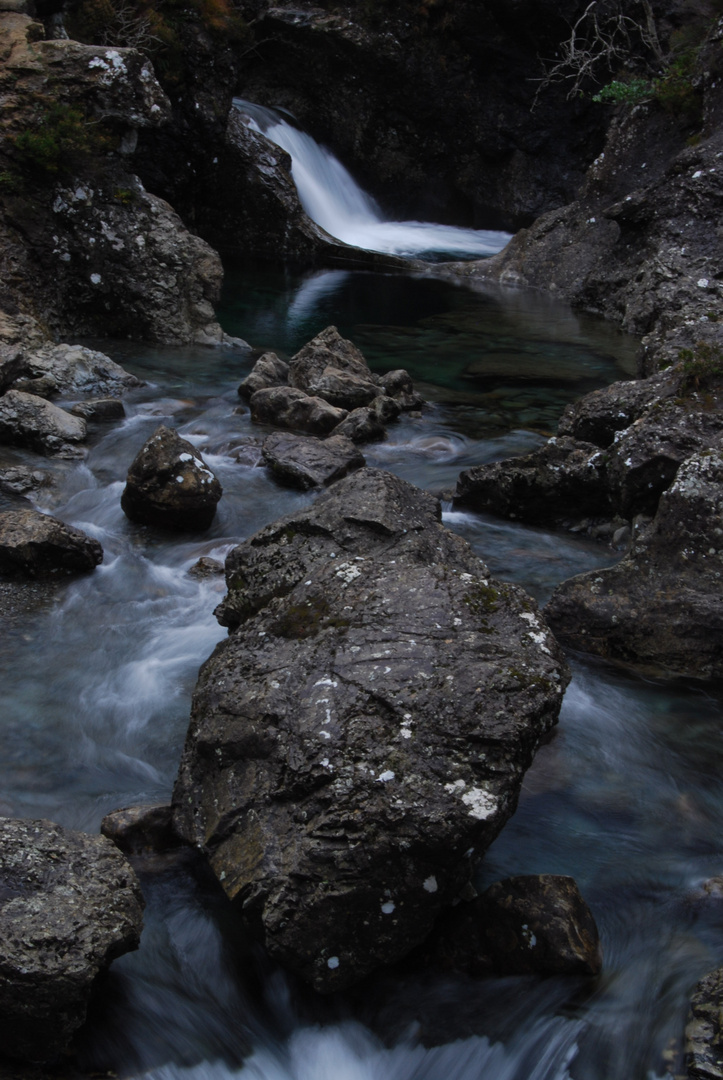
(626, 796)
(332, 198)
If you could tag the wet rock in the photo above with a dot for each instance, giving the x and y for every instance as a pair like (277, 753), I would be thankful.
(398, 385)
(536, 924)
(561, 482)
(599, 416)
(136, 830)
(99, 410)
(363, 425)
(333, 368)
(703, 1034)
(69, 904)
(71, 370)
(364, 730)
(22, 479)
(38, 545)
(206, 568)
(31, 421)
(169, 485)
(662, 605)
(305, 462)
(268, 371)
(287, 407)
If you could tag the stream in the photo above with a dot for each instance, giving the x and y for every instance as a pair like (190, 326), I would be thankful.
(626, 796)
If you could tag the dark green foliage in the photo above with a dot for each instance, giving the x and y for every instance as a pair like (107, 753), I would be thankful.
(59, 136)
(701, 365)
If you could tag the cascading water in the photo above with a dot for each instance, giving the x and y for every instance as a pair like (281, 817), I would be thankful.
(332, 198)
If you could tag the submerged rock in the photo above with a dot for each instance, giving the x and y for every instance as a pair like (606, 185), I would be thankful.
(69, 904)
(533, 924)
(38, 545)
(361, 737)
(31, 421)
(662, 605)
(170, 485)
(305, 462)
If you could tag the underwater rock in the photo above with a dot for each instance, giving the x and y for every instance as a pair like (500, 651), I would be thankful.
(69, 904)
(361, 737)
(169, 485)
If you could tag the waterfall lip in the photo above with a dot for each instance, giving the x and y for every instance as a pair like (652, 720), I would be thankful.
(337, 204)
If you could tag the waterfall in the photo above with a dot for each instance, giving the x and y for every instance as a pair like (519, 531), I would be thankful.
(333, 199)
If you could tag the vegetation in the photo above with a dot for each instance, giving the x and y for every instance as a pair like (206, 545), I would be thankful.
(59, 135)
(700, 366)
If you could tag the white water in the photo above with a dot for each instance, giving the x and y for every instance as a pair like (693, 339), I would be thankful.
(333, 199)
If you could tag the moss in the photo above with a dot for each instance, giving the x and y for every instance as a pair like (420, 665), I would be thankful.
(700, 366)
(307, 619)
(58, 137)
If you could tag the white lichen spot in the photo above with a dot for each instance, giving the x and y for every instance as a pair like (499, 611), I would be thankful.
(325, 681)
(325, 734)
(348, 572)
(385, 777)
(456, 787)
(703, 283)
(275, 684)
(96, 279)
(481, 804)
(388, 907)
(405, 732)
(179, 479)
(333, 963)
(430, 884)
(697, 173)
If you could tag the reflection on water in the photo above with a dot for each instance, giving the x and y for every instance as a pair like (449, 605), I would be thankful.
(626, 796)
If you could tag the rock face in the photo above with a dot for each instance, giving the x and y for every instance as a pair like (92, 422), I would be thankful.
(662, 606)
(69, 904)
(534, 924)
(38, 545)
(169, 485)
(703, 1035)
(83, 245)
(363, 732)
(305, 462)
(31, 421)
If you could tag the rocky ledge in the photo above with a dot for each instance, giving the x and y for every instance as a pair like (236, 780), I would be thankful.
(361, 737)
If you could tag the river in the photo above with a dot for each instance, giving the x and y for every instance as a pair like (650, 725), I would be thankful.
(626, 796)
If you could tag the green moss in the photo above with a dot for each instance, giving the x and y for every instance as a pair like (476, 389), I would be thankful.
(700, 366)
(307, 619)
(58, 137)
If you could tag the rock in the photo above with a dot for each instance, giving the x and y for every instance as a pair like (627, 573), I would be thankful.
(536, 924)
(333, 368)
(99, 410)
(268, 371)
(70, 370)
(69, 904)
(169, 485)
(662, 605)
(365, 728)
(136, 830)
(560, 483)
(363, 425)
(703, 1035)
(599, 416)
(22, 479)
(398, 385)
(305, 462)
(206, 568)
(285, 406)
(31, 421)
(38, 545)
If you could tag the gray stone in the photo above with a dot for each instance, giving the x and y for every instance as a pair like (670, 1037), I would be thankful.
(268, 371)
(288, 407)
(703, 1033)
(137, 830)
(364, 730)
(169, 485)
(333, 368)
(38, 545)
(70, 370)
(69, 904)
(305, 462)
(99, 410)
(31, 421)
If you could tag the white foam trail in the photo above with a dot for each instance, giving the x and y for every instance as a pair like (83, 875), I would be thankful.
(334, 200)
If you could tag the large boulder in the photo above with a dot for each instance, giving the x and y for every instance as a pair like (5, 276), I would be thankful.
(361, 737)
(38, 545)
(69, 904)
(662, 605)
(305, 462)
(31, 421)
(72, 370)
(269, 370)
(170, 485)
